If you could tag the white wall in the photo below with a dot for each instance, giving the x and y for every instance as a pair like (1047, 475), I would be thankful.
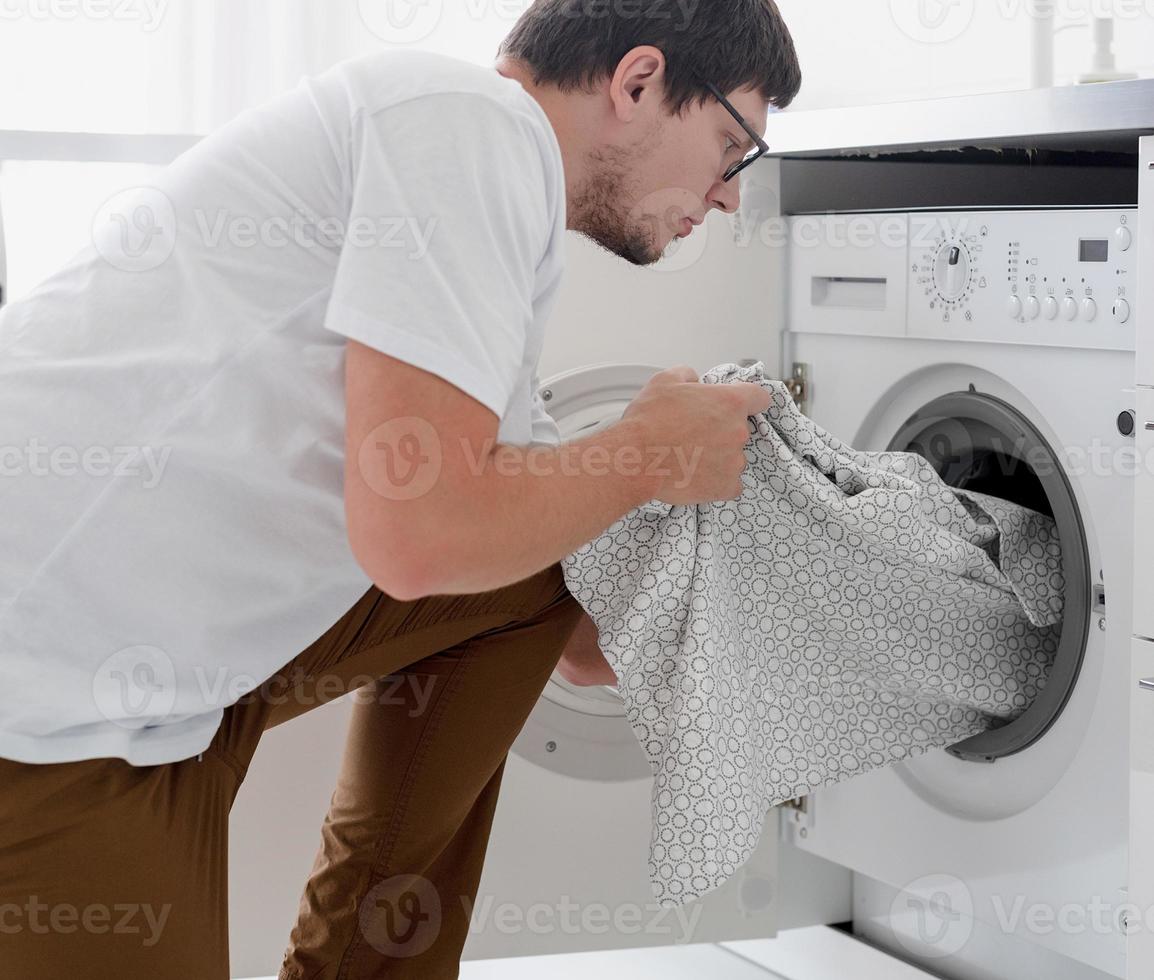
(177, 65)
(189, 65)
(871, 51)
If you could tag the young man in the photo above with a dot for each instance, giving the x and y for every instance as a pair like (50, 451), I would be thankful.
(286, 403)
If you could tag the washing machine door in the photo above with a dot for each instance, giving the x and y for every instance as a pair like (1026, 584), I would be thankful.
(582, 731)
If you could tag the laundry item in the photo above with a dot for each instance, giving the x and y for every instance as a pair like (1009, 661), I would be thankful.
(848, 612)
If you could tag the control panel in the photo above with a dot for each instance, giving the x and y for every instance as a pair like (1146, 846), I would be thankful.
(974, 273)
(1042, 277)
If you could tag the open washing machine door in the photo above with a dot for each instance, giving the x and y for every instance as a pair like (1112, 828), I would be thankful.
(983, 435)
(583, 731)
(979, 442)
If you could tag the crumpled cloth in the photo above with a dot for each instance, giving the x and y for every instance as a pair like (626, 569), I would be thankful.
(848, 612)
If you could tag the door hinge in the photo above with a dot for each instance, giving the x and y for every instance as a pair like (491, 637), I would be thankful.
(799, 385)
(796, 818)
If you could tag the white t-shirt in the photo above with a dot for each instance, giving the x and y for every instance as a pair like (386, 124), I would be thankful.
(172, 414)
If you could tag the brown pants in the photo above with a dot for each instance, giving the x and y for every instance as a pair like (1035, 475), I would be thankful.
(115, 872)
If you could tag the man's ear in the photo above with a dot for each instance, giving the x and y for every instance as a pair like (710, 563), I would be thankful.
(638, 83)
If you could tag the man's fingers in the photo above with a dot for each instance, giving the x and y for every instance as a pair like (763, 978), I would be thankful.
(677, 375)
(754, 398)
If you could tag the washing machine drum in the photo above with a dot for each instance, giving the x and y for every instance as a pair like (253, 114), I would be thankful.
(583, 731)
(981, 443)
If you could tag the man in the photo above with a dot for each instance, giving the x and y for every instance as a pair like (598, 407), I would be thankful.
(275, 437)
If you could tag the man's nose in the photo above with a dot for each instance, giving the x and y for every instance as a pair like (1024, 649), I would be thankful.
(726, 196)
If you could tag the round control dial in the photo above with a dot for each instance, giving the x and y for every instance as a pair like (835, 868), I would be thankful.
(952, 271)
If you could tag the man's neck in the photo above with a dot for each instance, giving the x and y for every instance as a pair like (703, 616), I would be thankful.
(563, 114)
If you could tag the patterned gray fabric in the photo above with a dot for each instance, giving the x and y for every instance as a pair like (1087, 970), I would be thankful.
(848, 612)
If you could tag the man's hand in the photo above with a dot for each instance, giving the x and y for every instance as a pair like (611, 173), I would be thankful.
(701, 429)
(583, 664)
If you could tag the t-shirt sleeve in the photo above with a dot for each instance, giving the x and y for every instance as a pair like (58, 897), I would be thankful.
(448, 223)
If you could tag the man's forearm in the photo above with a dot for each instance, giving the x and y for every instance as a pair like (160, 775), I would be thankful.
(523, 509)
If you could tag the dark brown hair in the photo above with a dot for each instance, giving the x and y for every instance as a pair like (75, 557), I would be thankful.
(733, 44)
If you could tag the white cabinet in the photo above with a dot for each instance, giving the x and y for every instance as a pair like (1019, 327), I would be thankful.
(1140, 940)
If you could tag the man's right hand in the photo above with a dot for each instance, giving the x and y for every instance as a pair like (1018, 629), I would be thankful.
(701, 430)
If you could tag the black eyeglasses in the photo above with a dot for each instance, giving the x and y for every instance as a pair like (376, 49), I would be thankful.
(755, 154)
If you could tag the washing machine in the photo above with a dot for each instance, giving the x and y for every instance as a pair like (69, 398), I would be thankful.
(1000, 346)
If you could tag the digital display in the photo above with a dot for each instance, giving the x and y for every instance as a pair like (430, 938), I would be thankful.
(1094, 250)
